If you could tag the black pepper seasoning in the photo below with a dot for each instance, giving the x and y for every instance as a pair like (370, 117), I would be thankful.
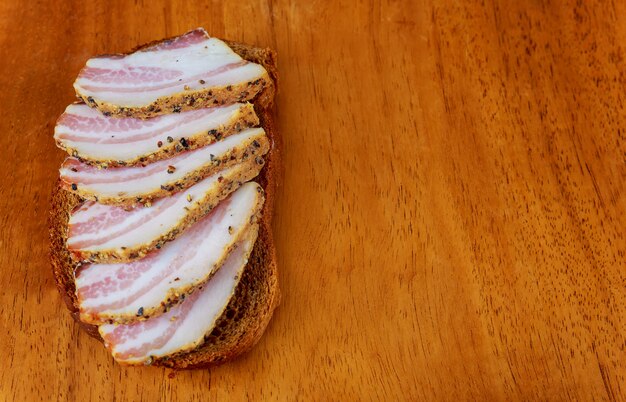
(74, 186)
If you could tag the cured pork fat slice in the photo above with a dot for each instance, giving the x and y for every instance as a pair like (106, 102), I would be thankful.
(137, 184)
(184, 326)
(109, 233)
(182, 73)
(122, 293)
(108, 141)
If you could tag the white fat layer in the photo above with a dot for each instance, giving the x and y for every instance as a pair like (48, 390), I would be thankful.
(216, 240)
(200, 319)
(94, 209)
(181, 125)
(194, 161)
(191, 61)
(155, 227)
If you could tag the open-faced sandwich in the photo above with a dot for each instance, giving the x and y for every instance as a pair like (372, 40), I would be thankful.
(160, 224)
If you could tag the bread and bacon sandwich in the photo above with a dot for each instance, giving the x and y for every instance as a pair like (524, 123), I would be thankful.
(161, 220)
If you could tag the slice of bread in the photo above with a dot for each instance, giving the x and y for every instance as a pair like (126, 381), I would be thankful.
(257, 295)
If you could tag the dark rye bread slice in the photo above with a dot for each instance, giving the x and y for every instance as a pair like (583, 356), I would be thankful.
(257, 294)
(188, 100)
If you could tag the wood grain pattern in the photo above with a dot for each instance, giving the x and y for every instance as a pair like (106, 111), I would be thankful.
(451, 220)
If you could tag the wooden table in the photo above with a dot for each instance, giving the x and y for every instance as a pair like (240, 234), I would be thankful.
(451, 220)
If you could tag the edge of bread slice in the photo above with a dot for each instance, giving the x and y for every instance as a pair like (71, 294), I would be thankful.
(249, 311)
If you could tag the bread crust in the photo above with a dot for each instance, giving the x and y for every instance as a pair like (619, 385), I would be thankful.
(257, 295)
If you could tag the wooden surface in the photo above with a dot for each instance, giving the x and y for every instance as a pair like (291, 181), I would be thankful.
(451, 221)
